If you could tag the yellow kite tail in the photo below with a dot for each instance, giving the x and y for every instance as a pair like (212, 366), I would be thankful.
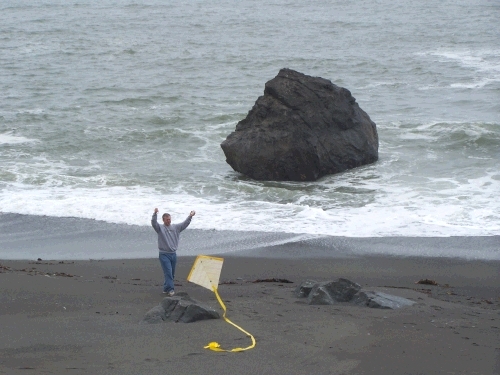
(214, 345)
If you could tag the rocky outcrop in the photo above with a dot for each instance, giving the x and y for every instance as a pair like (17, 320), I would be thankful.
(343, 290)
(330, 292)
(305, 288)
(180, 308)
(380, 300)
(301, 129)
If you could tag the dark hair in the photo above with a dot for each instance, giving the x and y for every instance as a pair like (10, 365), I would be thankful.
(162, 216)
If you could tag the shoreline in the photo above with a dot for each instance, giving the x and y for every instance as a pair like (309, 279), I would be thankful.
(32, 237)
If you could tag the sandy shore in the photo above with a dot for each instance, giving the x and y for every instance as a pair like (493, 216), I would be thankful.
(82, 317)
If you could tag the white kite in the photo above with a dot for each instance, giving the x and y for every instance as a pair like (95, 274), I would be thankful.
(206, 272)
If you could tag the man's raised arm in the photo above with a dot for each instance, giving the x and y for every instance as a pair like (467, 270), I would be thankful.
(186, 222)
(154, 222)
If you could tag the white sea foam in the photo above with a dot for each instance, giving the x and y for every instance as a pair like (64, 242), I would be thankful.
(484, 64)
(223, 126)
(484, 60)
(434, 130)
(9, 139)
(35, 111)
(373, 85)
(475, 84)
(419, 215)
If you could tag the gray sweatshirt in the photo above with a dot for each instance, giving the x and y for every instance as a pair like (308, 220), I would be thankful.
(168, 237)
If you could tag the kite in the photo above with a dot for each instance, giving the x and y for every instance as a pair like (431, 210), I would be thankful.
(206, 272)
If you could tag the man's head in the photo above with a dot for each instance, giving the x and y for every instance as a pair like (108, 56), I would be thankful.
(166, 219)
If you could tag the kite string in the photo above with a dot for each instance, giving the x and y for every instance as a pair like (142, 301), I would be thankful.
(215, 346)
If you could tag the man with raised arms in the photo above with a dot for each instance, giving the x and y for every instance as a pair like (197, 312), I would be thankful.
(168, 241)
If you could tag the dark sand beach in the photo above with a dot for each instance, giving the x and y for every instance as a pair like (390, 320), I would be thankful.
(60, 315)
(83, 317)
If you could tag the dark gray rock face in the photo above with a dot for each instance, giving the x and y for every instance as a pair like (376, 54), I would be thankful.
(304, 289)
(155, 315)
(343, 290)
(380, 300)
(180, 308)
(330, 292)
(301, 129)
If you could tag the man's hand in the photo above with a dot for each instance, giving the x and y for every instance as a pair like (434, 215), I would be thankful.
(156, 210)
(192, 213)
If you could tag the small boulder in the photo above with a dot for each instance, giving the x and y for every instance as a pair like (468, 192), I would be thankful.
(331, 292)
(195, 312)
(344, 290)
(380, 300)
(155, 315)
(303, 290)
(180, 308)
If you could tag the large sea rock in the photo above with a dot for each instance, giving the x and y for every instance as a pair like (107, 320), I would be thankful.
(301, 129)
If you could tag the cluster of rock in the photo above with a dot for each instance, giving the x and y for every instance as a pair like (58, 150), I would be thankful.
(180, 308)
(301, 129)
(184, 309)
(344, 290)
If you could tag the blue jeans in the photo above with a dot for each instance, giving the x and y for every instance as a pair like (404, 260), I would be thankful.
(168, 262)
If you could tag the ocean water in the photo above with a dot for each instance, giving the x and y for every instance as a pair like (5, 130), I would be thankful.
(109, 109)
